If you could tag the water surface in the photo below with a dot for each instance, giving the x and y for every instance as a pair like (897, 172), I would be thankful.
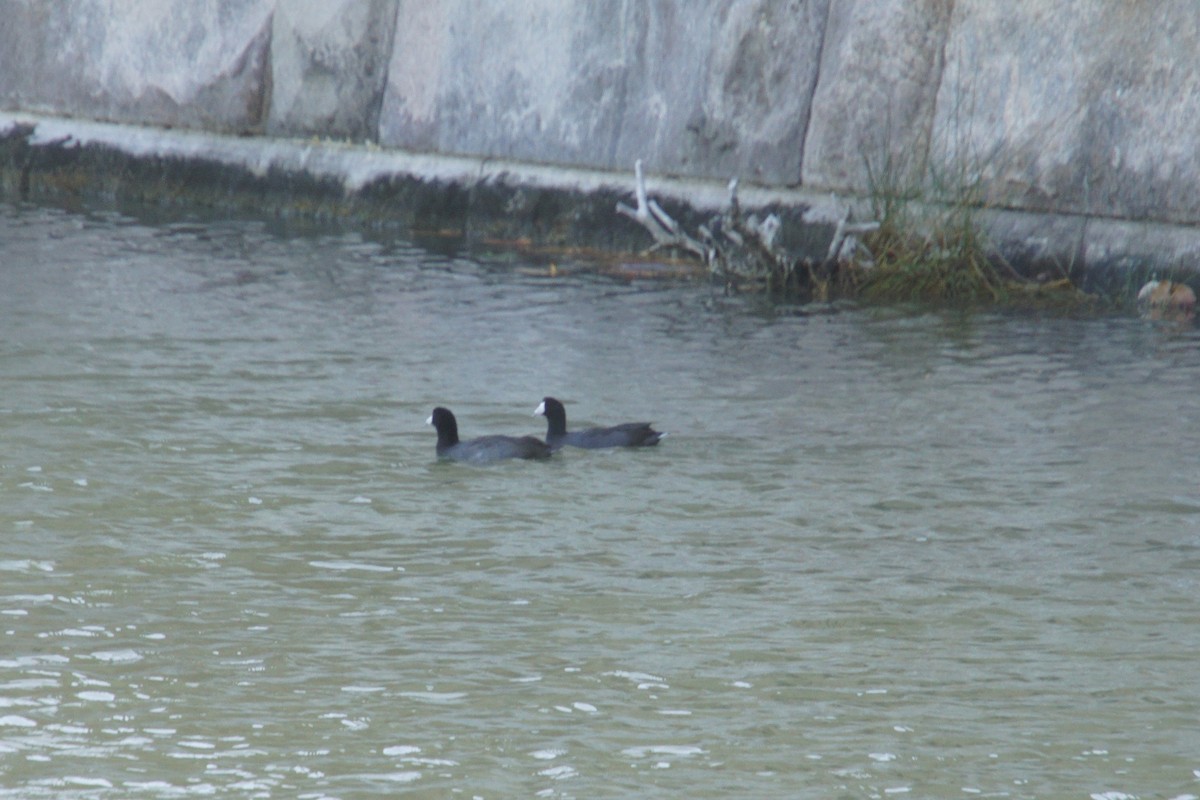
(880, 554)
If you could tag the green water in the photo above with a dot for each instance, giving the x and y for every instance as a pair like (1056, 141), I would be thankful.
(879, 555)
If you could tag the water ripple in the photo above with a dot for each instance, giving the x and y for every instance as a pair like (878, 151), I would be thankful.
(881, 554)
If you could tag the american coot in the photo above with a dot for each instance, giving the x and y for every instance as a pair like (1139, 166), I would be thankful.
(631, 434)
(485, 449)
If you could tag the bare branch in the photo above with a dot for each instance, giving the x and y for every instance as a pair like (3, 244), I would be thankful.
(650, 215)
(846, 228)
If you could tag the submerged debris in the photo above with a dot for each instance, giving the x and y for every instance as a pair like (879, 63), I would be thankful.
(1167, 300)
(939, 258)
(742, 251)
(650, 215)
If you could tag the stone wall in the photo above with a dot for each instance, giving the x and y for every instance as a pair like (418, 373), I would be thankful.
(180, 63)
(1087, 107)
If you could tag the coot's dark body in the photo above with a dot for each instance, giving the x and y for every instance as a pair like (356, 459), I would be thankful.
(485, 449)
(629, 434)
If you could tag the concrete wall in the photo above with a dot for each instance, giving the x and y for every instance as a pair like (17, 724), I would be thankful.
(182, 63)
(706, 88)
(1067, 106)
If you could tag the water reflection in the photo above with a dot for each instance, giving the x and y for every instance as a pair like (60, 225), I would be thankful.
(881, 553)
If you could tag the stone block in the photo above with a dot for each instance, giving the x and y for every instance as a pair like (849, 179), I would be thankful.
(707, 88)
(873, 108)
(187, 63)
(329, 63)
(1087, 106)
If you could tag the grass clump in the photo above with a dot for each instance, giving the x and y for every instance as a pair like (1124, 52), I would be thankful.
(946, 262)
(930, 247)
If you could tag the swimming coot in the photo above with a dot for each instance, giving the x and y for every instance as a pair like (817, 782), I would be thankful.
(485, 449)
(630, 434)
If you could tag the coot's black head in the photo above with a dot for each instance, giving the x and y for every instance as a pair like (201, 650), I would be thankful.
(555, 414)
(446, 424)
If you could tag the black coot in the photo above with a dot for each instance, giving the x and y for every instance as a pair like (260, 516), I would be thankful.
(631, 434)
(485, 449)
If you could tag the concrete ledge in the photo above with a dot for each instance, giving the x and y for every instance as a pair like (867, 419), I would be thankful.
(60, 160)
(67, 161)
